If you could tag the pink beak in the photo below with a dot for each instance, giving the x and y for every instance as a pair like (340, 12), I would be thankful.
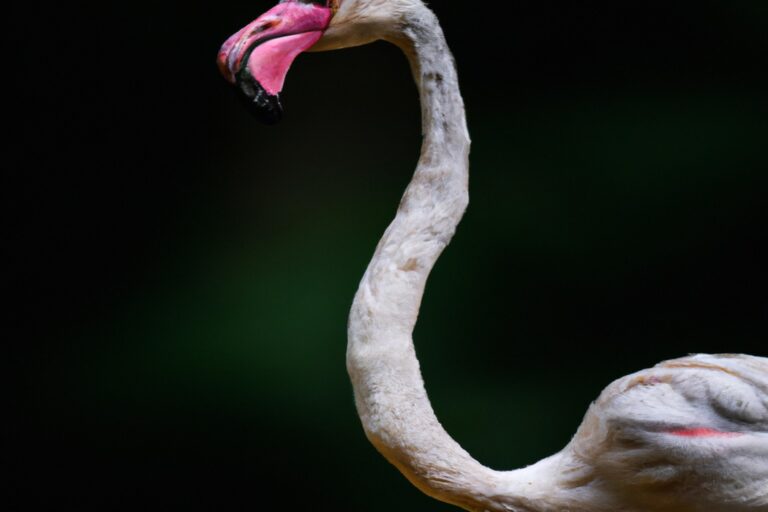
(257, 58)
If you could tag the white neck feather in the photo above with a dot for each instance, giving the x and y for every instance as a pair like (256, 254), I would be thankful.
(381, 360)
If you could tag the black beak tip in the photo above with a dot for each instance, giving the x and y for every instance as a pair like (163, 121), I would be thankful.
(264, 106)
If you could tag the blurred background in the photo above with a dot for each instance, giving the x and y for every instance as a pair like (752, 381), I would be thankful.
(180, 275)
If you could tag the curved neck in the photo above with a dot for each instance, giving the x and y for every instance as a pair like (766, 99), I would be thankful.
(389, 391)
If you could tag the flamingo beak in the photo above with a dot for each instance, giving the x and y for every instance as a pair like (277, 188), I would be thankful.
(256, 59)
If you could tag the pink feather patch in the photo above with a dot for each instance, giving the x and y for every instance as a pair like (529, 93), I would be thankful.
(701, 432)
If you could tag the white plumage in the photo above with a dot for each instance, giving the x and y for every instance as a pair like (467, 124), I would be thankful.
(689, 435)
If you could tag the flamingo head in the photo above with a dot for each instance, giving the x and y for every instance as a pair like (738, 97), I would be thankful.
(256, 59)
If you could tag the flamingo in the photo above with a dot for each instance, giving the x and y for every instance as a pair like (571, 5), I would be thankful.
(688, 435)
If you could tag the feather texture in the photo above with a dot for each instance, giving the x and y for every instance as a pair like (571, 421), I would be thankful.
(689, 435)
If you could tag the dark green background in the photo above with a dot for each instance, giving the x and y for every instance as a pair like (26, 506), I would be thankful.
(180, 275)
